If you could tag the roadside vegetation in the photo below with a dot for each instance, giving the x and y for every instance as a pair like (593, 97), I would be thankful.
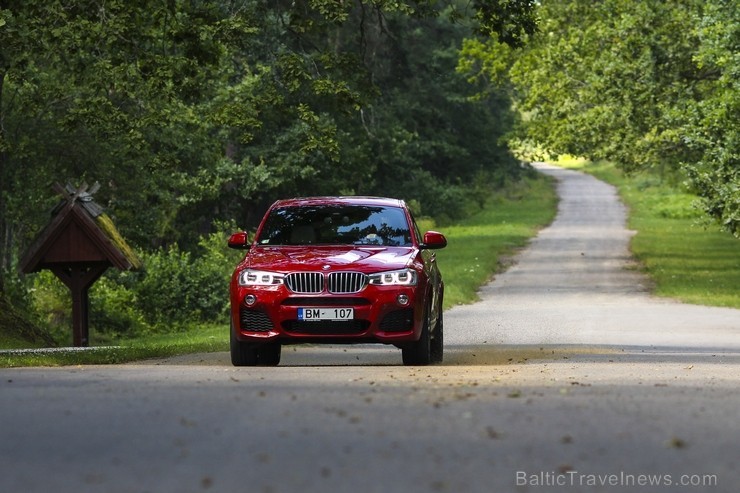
(478, 247)
(195, 116)
(686, 256)
(195, 339)
(649, 85)
(483, 244)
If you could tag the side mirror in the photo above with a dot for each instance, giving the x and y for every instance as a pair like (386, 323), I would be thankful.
(434, 240)
(239, 241)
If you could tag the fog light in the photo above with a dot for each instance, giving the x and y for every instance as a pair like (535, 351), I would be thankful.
(402, 299)
(250, 299)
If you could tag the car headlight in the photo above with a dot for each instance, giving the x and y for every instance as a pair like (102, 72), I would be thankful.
(405, 277)
(251, 277)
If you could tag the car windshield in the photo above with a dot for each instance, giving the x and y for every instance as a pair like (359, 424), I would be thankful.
(336, 225)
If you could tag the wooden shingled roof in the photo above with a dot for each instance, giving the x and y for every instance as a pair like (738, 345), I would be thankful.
(79, 233)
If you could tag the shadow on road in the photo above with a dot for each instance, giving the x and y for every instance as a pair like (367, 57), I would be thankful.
(502, 355)
(479, 355)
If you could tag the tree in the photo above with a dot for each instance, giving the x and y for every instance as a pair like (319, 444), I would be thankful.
(650, 85)
(113, 91)
(710, 127)
(194, 110)
(359, 83)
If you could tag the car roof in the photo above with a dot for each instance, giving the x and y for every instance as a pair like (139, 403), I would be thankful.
(339, 200)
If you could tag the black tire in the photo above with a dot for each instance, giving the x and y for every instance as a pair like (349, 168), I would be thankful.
(268, 354)
(419, 353)
(438, 338)
(246, 354)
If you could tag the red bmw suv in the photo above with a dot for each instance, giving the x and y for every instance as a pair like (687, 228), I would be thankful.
(337, 270)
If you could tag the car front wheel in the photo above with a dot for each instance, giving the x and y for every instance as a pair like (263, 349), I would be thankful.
(419, 353)
(437, 342)
(246, 354)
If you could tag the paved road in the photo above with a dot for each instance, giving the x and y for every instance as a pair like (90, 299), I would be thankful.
(576, 284)
(567, 376)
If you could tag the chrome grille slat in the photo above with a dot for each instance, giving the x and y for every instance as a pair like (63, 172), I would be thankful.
(305, 282)
(316, 282)
(347, 282)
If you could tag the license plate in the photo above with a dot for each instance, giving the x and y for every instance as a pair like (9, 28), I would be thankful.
(319, 314)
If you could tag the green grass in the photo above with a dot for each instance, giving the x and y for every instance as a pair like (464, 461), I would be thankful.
(11, 341)
(202, 339)
(687, 258)
(477, 248)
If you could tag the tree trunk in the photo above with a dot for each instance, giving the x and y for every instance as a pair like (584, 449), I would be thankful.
(4, 264)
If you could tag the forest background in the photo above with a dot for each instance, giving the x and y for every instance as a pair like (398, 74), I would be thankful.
(194, 115)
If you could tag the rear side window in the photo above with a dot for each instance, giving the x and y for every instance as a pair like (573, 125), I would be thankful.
(336, 225)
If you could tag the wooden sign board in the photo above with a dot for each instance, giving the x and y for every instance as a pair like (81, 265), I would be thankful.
(78, 245)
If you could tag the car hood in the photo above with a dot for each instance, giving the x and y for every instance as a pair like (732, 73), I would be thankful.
(362, 259)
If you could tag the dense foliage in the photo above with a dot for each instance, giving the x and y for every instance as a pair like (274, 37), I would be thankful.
(649, 84)
(193, 112)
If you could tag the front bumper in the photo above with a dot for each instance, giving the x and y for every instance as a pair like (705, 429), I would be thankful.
(378, 316)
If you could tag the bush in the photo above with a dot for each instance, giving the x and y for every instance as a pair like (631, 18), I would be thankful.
(177, 288)
(174, 290)
(16, 330)
(51, 303)
(114, 306)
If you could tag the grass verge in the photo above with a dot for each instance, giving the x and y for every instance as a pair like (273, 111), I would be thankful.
(478, 247)
(687, 258)
(482, 245)
(202, 339)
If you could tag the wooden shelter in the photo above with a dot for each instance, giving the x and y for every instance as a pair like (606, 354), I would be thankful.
(78, 245)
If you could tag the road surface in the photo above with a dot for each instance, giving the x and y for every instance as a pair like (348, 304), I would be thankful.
(566, 376)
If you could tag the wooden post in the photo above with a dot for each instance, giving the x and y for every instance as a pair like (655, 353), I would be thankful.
(78, 279)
